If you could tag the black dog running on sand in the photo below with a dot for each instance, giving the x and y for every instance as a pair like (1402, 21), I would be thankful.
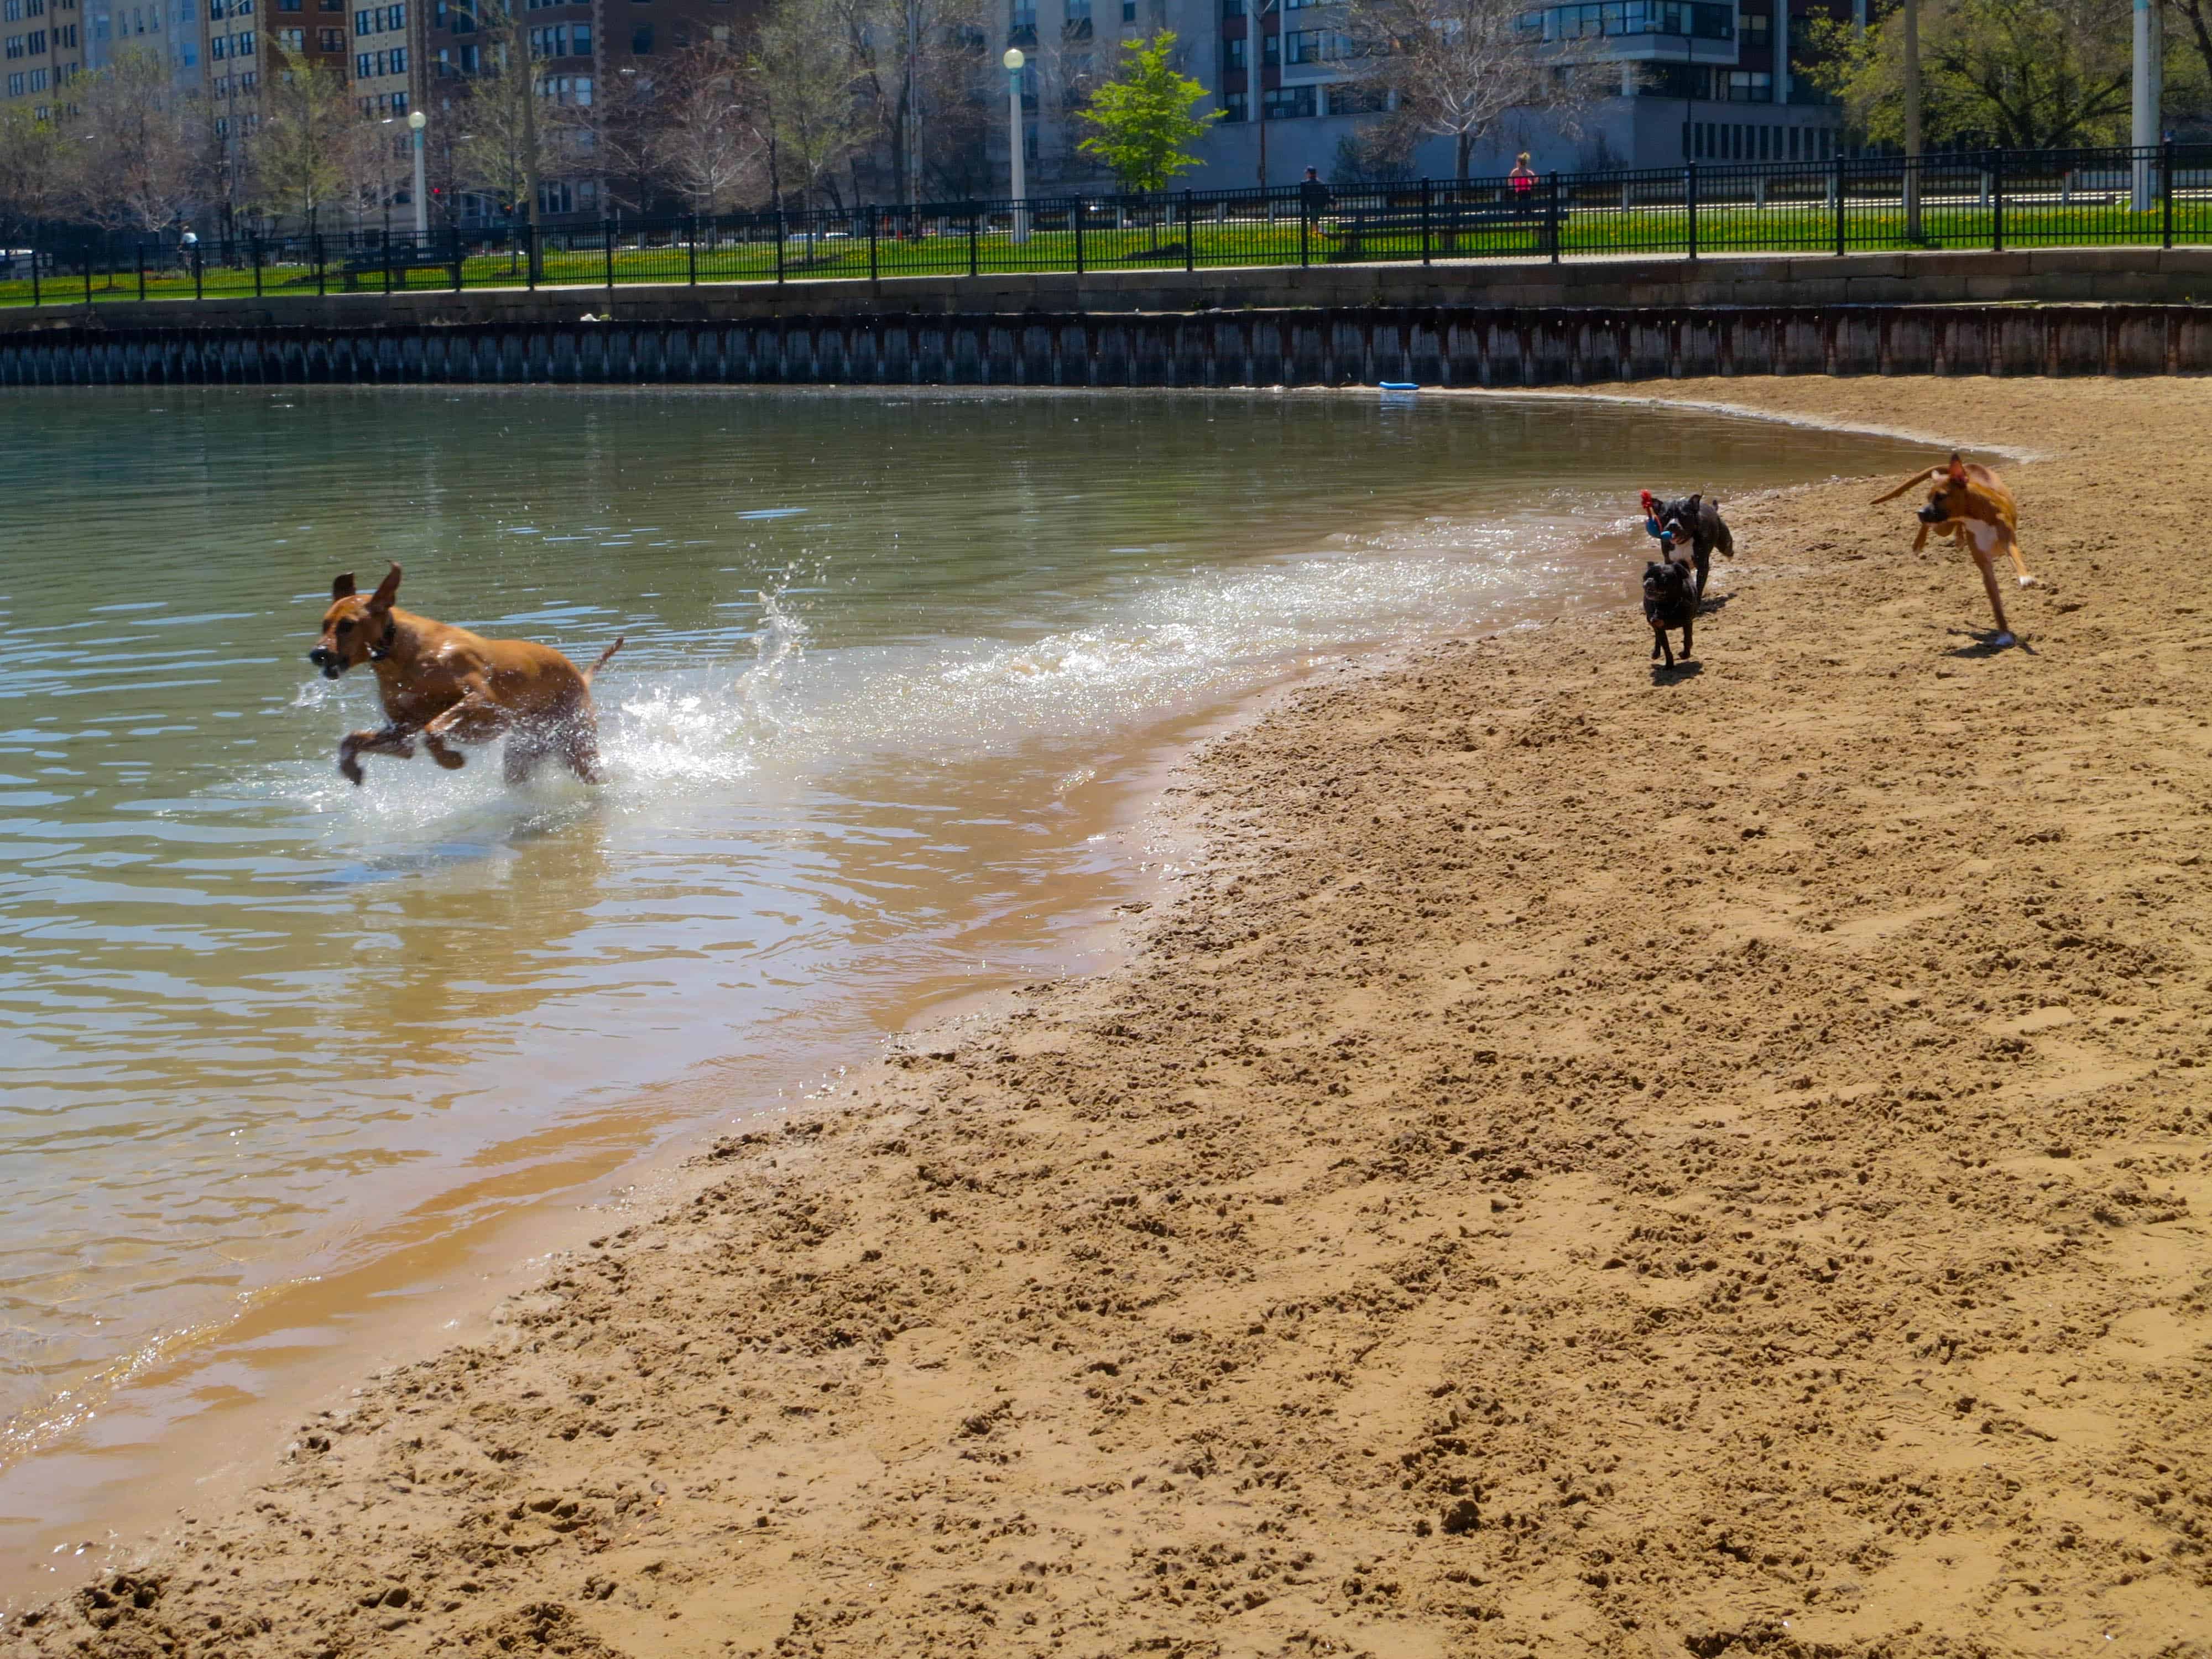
(1670, 600)
(1694, 519)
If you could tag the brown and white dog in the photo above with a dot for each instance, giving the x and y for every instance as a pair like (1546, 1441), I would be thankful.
(446, 685)
(1971, 505)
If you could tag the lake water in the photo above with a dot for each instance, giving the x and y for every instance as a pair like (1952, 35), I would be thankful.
(275, 1053)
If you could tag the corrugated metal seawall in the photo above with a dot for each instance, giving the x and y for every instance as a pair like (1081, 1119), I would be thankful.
(1432, 345)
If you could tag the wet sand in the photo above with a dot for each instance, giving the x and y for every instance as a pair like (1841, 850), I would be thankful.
(1590, 1164)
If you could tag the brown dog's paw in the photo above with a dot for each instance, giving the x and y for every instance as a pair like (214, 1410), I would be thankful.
(350, 769)
(452, 759)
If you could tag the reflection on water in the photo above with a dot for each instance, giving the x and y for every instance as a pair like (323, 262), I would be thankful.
(886, 654)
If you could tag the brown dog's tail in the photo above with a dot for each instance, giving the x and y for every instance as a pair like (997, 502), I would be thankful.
(603, 655)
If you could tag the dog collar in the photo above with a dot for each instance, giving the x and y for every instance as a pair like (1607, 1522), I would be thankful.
(382, 648)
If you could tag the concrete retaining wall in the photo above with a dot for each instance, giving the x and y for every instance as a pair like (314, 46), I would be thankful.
(1432, 345)
(2137, 276)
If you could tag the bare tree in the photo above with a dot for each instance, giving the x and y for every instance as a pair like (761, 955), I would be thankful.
(31, 182)
(139, 158)
(307, 150)
(622, 132)
(710, 142)
(920, 68)
(1461, 67)
(807, 95)
(505, 152)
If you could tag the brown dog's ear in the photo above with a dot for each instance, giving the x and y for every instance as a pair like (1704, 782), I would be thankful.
(1957, 468)
(342, 587)
(1917, 478)
(387, 590)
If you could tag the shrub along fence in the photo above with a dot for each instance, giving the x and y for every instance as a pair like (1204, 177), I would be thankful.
(2157, 196)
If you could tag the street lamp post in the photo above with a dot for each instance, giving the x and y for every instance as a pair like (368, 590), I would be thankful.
(1013, 60)
(415, 122)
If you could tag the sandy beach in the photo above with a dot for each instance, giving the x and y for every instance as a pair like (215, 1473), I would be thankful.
(1590, 1162)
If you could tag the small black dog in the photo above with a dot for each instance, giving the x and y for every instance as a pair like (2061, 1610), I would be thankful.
(1670, 600)
(1698, 521)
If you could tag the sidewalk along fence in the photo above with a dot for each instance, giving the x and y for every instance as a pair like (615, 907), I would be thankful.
(2159, 197)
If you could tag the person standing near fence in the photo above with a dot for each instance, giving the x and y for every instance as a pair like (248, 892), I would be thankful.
(186, 242)
(1523, 177)
(1313, 196)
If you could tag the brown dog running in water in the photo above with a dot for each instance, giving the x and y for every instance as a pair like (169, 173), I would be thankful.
(1970, 504)
(446, 685)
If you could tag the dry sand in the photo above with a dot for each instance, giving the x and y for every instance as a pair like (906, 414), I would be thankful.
(1590, 1166)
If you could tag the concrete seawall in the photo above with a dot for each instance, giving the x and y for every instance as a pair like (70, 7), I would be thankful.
(2137, 276)
(1434, 345)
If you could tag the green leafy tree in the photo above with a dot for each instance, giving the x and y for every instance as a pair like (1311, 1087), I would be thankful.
(1141, 124)
(2014, 74)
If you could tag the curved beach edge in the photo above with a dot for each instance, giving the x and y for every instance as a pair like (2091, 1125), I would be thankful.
(1595, 1161)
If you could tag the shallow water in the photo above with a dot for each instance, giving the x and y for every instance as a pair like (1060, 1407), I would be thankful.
(891, 660)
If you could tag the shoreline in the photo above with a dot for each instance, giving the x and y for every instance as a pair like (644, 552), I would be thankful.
(1550, 1182)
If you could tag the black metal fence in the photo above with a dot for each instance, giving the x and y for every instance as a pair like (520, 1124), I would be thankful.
(2158, 197)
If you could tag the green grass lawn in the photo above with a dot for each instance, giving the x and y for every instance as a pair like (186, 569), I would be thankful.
(1742, 228)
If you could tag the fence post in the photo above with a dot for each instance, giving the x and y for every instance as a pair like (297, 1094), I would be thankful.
(1836, 189)
(35, 279)
(2164, 192)
(321, 281)
(607, 236)
(387, 260)
(460, 274)
(1997, 201)
(253, 253)
(875, 223)
(1078, 235)
(1426, 196)
(1555, 218)
(779, 245)
(199, 270)
(88, 271)
(1690, 198)
(1189, 235)
(975, 216)
(532, 254)
(142, 268)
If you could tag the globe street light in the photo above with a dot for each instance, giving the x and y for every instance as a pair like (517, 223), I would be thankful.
(415, 122)
(1013, 60)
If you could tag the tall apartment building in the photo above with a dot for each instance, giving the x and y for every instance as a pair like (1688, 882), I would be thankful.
(1698, 79)
(41, 50)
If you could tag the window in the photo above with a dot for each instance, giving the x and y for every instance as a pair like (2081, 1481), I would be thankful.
(1078, 26)
(1695, 18)
(1311, 45)
(1128, 11)
(12, 10)
(293, 40)
(249, 81)
(1358, 98)
(38, 80)
(362, 23)
(331, 39)
(1236, 107)
(15, 84)
(1021, 22)
(245, 47)
(1229, 9)
(360, 71)
(583, 37)
(38, 43)
(188, 53)
(15, 46)
(640, 40)
(1755, 28)
(1271, 50)
(1232, 54)
(1288, 102)
(1745, 87)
